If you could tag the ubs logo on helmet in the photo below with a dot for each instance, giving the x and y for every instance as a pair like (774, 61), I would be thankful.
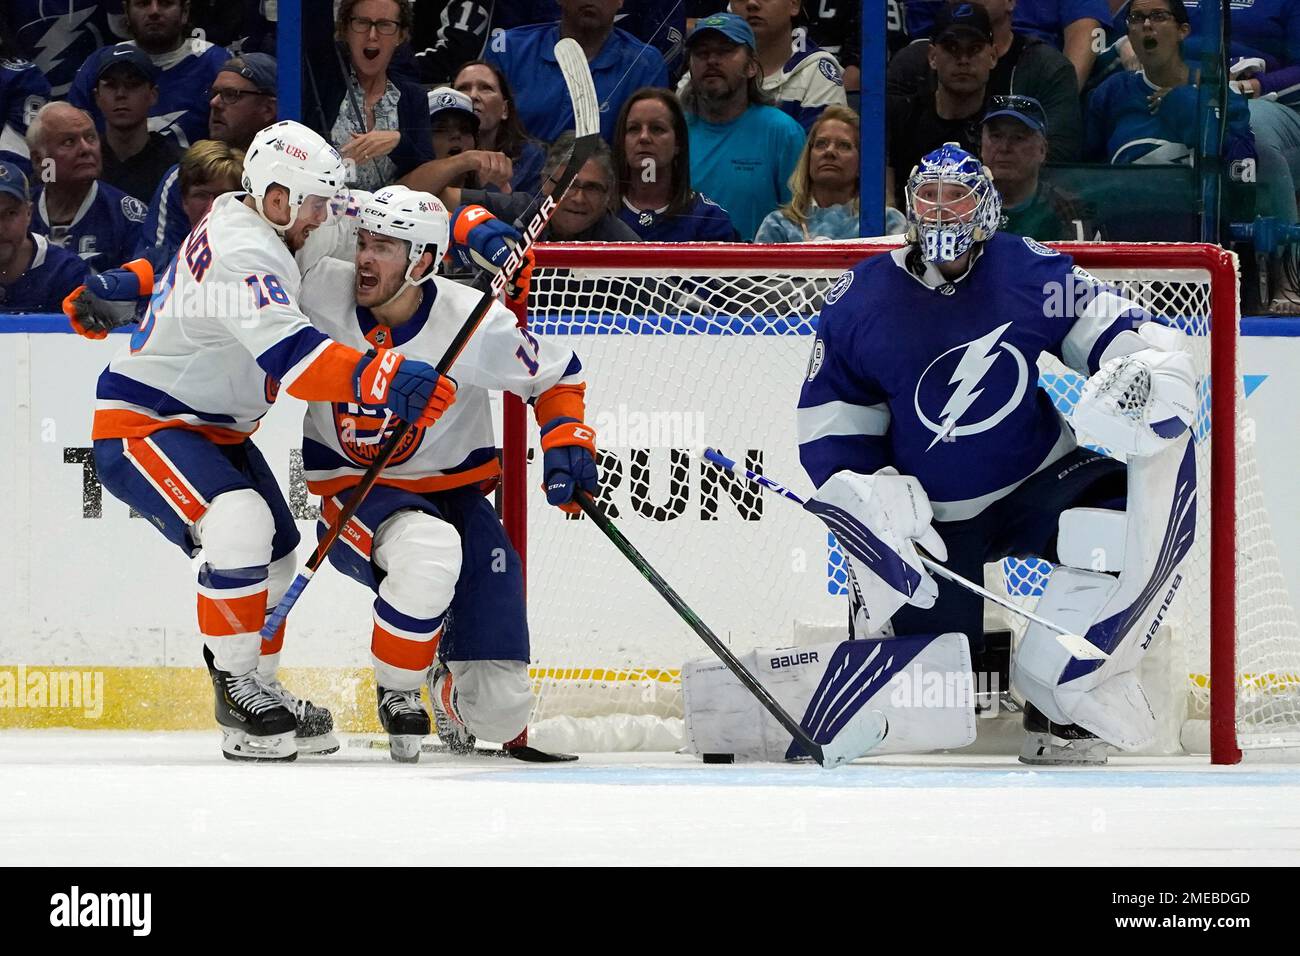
(362, 429)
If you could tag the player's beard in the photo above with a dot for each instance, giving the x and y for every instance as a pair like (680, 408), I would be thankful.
(379, 294)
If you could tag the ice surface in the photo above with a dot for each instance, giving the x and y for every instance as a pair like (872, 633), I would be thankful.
(118, 798)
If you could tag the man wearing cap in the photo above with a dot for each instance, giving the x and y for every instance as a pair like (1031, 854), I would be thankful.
(35, 275)
(799, 75)
(620, 65)
(135, 160)
(241, 101)
(962, 56)
(98, 222)
(186, 67)
(1013, 145)
(742, 149)
(1026, 65)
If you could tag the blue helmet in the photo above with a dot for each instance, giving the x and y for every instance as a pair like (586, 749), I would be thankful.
(951, 204)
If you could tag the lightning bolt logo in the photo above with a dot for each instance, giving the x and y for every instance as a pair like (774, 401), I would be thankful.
(978, 357)
(55, 42)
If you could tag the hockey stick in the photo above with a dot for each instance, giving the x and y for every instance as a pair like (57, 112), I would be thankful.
(1078, 646)
(864, 731)
(586, 111)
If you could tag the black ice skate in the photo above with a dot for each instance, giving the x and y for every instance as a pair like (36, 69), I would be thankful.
(406, 721)
(1049, 744)
(315, 724)
(255, 724)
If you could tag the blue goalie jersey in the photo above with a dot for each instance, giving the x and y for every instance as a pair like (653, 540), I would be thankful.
(940, 379)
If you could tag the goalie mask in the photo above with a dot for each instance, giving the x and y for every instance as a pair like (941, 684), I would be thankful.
(951, 204)
(290, 155)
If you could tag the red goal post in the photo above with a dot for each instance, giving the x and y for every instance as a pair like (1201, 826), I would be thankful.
(601, 288)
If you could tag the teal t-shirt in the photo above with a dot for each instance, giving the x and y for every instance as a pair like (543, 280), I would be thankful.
(744, 165)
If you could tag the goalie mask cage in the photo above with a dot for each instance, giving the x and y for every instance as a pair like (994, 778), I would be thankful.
(691, 345)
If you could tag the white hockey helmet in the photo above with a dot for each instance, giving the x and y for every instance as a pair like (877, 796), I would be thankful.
(419, 218)
(289, 154)
(951, 204)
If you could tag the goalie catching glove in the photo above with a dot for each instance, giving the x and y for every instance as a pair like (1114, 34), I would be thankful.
(110, 299)
(412, 390)
(879, 520)
(490, 243)
(1142, 402)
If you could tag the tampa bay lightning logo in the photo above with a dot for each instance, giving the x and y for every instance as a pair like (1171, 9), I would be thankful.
(830, 71)
(991, 380)
(839, 288)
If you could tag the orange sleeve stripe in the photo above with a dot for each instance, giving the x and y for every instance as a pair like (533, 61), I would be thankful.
(124, 423)
(143, 274)
(223, 617)
(561, 401)
(473, 476)
(399, 652)
(329, 377)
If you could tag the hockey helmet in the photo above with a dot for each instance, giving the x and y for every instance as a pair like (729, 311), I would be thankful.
(951, 204)
(419, 218)
(289, 154)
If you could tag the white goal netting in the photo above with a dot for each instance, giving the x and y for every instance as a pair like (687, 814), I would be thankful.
(682, 352)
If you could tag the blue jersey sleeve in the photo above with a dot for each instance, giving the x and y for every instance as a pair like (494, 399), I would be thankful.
(843, 416)
(1092, 314)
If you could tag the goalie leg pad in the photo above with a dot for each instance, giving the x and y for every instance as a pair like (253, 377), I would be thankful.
(493, 698)
(921, 685)
(1120, 617)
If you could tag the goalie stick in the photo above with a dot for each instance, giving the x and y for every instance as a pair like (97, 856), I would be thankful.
(1079, 646)
(859, 735)
(586, 112)
(525, 753)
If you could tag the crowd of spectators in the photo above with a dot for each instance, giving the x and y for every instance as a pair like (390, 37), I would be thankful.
(724, 120)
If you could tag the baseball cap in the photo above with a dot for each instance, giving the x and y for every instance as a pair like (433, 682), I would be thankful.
(258, 68)
(1024, 108)
(125, 54)
(732, 27)
(962, 19)
(13, 182)
(444, 98)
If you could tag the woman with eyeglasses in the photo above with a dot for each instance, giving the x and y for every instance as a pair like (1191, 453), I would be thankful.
(652, 162)
(824, 185)
(381, 126)
(500, 128)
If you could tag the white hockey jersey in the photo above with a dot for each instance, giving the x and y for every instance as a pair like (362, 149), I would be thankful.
(222, 335)
(340, 440)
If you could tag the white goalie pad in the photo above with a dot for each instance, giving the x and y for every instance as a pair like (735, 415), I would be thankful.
(923, 687)
(1120, 615)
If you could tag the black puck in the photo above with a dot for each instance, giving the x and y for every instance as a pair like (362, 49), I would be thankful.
(719, 758)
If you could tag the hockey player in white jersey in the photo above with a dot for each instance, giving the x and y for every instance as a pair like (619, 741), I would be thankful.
(175, 413)
(920, 417)
(449, 605)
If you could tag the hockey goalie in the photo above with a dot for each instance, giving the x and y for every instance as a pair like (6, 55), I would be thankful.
(921, 424)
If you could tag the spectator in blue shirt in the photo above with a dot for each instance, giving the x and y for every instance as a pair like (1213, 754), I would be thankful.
(23, 90)
(661, 23)
(242, 101)
(1152, 116)
(34, 274)
(620, 64)
(99, 223)
(824, 186)
(381, 126)
(186, 67)
(652, 165)
(500, 129)
(742, 149)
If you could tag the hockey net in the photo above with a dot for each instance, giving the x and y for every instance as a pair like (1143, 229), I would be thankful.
(692, 345)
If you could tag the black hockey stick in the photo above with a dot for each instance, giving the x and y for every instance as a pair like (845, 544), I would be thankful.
(586, 111)
(863, 731)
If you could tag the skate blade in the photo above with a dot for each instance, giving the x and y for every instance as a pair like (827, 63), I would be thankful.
(405, 748)
(1047, 755)
(237, 745)
(318, 746)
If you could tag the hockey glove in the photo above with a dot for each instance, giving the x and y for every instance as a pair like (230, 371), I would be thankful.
(1139, 404)
(410, 389)
(109, 299)
(879, 520)
(569, 461)
(490, 243)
